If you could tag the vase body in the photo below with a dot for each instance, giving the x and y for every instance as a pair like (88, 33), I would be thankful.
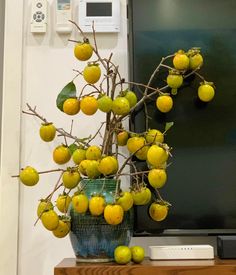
(92, 239)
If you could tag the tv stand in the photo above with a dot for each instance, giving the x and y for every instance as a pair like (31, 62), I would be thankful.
(187, 267)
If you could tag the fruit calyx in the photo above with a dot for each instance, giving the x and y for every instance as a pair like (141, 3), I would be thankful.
(193, 51)
(46, 123)
(124, 92)
(85, 40)
(207, 83)
(101, 94)
(98, 195)
(165, 147)
(180, 51)
(93, 63)
(162, 202)
(174, 72)
(65, 218)
(72, 169)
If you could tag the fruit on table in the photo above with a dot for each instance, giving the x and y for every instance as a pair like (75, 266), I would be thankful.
(29, 176)
(47, 132)
(122, 254)
(137, 254)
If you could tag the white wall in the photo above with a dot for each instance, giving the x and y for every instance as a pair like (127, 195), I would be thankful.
(47, 66)
(10, 131)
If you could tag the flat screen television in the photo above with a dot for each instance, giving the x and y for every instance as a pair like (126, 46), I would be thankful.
(201, 183)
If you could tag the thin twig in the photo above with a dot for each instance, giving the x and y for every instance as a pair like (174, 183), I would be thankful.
(61, 131)
(80, 30)
(44, 172)
(49, 197)
(98, 131)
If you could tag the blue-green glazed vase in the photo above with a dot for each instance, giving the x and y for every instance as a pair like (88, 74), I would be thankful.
(92, 239)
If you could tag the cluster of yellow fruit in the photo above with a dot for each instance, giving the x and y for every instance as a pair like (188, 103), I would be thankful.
(89, 104)
(121, 105)
(184, 62)
(90, 163)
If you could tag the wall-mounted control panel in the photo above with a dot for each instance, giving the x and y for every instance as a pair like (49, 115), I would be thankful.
(39, 16)
(104, 14)
(63, 15)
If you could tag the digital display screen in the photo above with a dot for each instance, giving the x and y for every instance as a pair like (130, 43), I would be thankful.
(63, 4)
(99, 9)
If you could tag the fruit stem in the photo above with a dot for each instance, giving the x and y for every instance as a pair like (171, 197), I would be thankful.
(194, 72)
(49, 197)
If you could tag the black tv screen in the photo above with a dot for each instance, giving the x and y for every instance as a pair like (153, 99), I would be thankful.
(201, 183)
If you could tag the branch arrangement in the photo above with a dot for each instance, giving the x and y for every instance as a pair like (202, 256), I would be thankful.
(105, 90)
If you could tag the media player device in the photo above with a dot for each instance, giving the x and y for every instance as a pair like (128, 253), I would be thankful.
(181, 252)
(226, 247)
